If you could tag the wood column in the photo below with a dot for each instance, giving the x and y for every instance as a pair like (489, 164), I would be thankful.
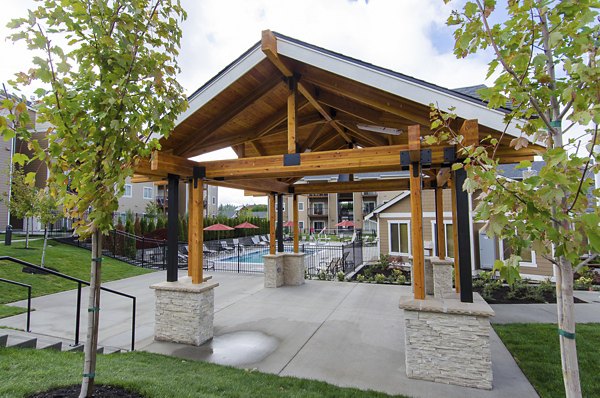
(416, 211)
(280, 223)
(196, 239)
(455, 238)
(464, 237)
(172, 228)
(439, 222)
(296, 224)
(190, 226)
(272, 223)
(292, 107)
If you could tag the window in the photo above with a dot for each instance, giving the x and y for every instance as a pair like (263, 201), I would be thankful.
(448, 235)
(318, 226)
(528, 254)
(127, 193)
(301, 225)
(399, 237)
(368, 207)
(318, 208)
(214, 200)
(300, 206)
(148, 191)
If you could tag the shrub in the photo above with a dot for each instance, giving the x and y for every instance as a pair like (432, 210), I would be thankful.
(397, 277)
(583, 283)
(341, 276)
(379, 278)
(360, 278)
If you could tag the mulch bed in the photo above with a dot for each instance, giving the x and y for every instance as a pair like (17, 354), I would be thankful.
(100, 391)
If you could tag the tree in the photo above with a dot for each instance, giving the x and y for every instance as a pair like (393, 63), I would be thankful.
(22, 201)
(48, 213)
(545, 64)
(107, 92)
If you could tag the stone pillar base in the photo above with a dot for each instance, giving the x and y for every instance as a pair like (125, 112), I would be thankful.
(448, 341)
(273, 270)
(293, 269)
(428, 276)
(184, 312)
(442, 278)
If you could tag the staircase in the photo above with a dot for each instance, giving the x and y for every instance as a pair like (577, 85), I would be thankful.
(17, 339)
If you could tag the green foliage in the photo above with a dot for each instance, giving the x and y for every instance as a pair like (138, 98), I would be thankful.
(379, 278)
(151, 225)
(161, 221)
(47, 207)
(360, 278)
(583, 283)
(144, 226)
(183, 228)
(341, 276)
(22, 202)
(153, 210)
(397, 277)
(137, 226)
(109, 89)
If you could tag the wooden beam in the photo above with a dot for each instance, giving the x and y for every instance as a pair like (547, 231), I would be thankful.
(470, 132)
(262, 185)
(313, 136)
(292, 113)
(205, 132)
(357, 186)
(258, 148)
(296, 228)
(326, 144)
(362, 112)
(414, 143)
(341, 161)
(416, 227)
(272, 224)
(439, 223)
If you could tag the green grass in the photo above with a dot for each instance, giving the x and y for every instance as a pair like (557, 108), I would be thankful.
(27, 371)
(7, 310)
(67, 259)
(535, 348)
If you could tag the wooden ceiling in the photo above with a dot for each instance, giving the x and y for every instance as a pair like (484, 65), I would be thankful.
(250, 114)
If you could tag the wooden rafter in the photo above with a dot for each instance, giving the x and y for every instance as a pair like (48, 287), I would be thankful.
(362, 112)
(313, 136)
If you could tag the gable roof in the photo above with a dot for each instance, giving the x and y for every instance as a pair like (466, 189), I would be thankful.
(387, 204)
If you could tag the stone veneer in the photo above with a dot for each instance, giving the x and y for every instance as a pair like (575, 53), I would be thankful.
(448, 341)
(427, 264)
(284, 269)
(442, 278)
(184, 311)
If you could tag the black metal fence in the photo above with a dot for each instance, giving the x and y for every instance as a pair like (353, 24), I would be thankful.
(241, 255)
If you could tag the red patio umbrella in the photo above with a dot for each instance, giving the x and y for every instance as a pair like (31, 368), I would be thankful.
(345, 223)
(288, 224)
(218, 227)
(246, 225)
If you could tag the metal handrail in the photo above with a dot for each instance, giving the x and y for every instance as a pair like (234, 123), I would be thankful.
(79, 283)
(28, 299)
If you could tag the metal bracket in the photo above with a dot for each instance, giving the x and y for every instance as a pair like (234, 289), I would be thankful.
(404, 160)
(426, 158)
(291, 159)
(449, 156)
(198, 172)
(291, 190)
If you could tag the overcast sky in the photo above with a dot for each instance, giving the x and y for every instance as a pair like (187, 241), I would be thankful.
(408, 36)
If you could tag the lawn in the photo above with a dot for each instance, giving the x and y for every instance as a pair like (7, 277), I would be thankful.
(535, 348)
(67, 259)
(27, 371)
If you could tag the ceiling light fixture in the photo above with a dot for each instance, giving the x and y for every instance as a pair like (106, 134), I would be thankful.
(379, 129)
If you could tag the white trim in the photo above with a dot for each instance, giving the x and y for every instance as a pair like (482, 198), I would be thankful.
(388, 204)
(300, 206)
(389, 223)
(144, 189)
(433, 228)
(224, 80)
(426, 214)
(125, 191)
(527, 264)
(398, 86)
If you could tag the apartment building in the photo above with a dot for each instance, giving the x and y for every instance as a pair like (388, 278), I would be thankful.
(211, 198)
(323, 211)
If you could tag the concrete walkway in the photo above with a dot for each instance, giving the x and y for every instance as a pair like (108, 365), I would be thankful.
(343, 333)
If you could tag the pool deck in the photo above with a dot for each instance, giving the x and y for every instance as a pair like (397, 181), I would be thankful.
(347, 334)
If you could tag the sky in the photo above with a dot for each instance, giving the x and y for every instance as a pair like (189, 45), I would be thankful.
(408, 36)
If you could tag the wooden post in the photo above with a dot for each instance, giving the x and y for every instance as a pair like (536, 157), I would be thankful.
(272, 223)
(172, 229)
(196, 240)
(439, 221)
(280, 223)
(296, 228)
(455, 238)
(416, 215)
(292, 106)
(190, 227)
(464, 238)
(416, 212)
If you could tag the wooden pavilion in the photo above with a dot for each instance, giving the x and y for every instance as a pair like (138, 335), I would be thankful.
(290, 109)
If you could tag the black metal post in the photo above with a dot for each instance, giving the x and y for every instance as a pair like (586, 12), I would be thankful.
(29, 308)
(280, 223)
(464, 238)
(133, 326)
(238, 257)
(143, 250)
(172, 230)
(78, 313)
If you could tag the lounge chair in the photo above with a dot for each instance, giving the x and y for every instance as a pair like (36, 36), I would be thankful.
(264, 240)
(225, 247)
(206, 250)
(256, 241)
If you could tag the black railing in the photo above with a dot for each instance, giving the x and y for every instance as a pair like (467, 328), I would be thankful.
(28, 299)
(79, 283)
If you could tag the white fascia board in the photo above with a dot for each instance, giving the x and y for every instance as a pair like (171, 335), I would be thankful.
(226, 78)
(397, 86)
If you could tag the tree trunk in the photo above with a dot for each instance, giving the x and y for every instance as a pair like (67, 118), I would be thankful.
(26, 232)
(566, 325)
(91, 344)
(45, 245)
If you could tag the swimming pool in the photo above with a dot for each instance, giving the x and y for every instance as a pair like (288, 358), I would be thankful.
(255, 256)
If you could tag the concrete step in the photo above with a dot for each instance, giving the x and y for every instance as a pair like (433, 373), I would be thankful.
(3, 340)
(73, 348)
(51, 346)
(21, 342)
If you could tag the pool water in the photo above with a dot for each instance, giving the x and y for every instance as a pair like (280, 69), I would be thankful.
(256, 257)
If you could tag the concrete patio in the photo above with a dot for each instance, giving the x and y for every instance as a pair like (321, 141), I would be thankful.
(347, 334)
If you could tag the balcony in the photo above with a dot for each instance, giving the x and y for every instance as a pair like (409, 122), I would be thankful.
(369, 194)
(317, 212)
(317, 195)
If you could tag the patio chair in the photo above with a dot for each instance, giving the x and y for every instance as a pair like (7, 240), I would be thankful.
(256, 241)
(264, 239)
(225, 247)
(330, 266)
(208, 264)
(207, 251)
